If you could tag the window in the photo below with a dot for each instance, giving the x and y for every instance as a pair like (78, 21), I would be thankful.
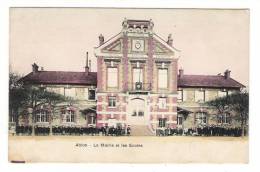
(162, 122)
(222, 93)
(179, 120)
(137, 75)
(91, 94)
(112, 101)
(42, 116)
(219, 117)
(140, 113)
(70, 116)
(70, 92)
(112, 77)
(163, 78)
(180, 95)
(162, 103)
(201, 118)
(200, 96)
(224, 118)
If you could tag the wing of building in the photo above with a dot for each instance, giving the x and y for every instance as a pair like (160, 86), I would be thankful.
(137, 83)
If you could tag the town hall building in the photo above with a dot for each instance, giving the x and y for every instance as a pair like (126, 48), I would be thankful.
(137, 84)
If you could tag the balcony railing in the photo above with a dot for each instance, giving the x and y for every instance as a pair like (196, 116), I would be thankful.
(139, 86)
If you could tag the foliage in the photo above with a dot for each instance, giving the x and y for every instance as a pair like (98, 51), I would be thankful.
(22, 96)
(237, 102)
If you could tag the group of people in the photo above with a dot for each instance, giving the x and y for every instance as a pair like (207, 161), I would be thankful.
(200, 131)
(24, 130)
(126, 131)
(218, 131)
(93, 131)
(66, 130)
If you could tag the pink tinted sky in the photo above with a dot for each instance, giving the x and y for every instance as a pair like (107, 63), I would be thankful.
(210, 41)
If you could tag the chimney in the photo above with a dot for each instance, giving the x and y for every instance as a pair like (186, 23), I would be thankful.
(170, 40)
(227, 74)
(89, 65)
(181, 72)
(101, 39)
(35, 68)
(86, 67)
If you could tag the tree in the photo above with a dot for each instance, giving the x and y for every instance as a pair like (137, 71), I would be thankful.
(39, 96)
(23, 96)
(238, 103)
(18, 96)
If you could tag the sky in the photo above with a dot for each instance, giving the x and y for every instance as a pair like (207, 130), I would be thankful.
(210, 41)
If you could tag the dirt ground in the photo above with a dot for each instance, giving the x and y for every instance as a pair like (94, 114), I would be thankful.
(98, 149)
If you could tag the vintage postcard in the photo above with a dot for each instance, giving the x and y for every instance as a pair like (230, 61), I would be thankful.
(122, 85)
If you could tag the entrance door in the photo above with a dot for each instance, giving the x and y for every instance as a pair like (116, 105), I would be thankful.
(136, 114)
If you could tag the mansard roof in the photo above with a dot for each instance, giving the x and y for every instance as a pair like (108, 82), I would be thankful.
(61, 77)
(208, 81)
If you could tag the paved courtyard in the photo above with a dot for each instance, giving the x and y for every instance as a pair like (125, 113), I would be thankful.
(173, 149)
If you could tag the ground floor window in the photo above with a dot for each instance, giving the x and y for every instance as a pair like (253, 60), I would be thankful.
(201, 118)
(69, 116)
(91, 119)
(112, 101)
(224, 118)
(42, 116)
(138, 113)
(162, 122)
(179, 120)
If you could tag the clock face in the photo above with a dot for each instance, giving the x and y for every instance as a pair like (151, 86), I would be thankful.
(138, 45)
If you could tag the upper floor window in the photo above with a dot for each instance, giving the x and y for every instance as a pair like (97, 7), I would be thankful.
(222, 93)
(201, 118)
(180, 96)
(42, 116)
(199, 95)
(112, 77)
(91, 94)
(70, 92)
(112, 101)
(137, 75)
(224, 118)
(162, 103)
(163, 78)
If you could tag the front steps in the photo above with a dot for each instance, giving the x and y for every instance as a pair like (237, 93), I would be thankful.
(141, 130)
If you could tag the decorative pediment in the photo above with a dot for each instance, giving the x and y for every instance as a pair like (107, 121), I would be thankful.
(114, 47)
(162, 49)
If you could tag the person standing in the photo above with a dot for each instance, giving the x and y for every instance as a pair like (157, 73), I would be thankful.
(128, 130)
